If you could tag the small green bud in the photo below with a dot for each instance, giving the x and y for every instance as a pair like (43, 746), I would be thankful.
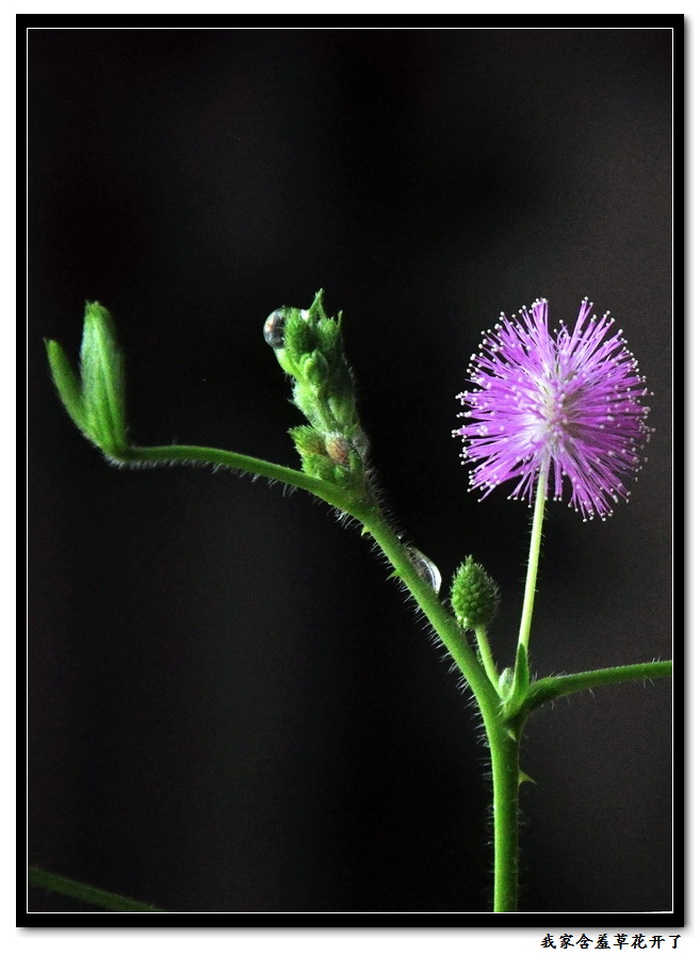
(329, 337)
(307, 401)
(341, 404)
(314, 368)
(312, 451)
(475, 595)
(329, 456)
(319, 466)
(307, 440)
(300, 337)
(316, 311)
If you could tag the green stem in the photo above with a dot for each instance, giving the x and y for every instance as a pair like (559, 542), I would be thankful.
(442, 621)
(502, 739)
(194, 454)
(505, 744)
(552, 687)
(482, 641)
(86, 893)
(505, 769)
(533, 558)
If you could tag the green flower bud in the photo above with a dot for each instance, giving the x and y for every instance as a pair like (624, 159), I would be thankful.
(308, 345)
(329, 338)
(96, 403)
(300, 337)
(307, 440)
(316, 312)
(314, 368)
(342, 406)
(475, 595)
(320, 466)
(307, 401)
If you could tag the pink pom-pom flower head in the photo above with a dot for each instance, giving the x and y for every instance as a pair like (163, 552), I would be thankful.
(569, 403)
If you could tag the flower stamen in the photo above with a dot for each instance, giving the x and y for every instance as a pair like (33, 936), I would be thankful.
(569, 403)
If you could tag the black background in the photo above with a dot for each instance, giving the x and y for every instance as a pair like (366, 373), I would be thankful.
(231, 709)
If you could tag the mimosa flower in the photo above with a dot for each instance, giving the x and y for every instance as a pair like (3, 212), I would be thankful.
(568, 402)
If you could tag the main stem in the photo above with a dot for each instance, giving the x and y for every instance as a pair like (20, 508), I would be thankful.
(503, 738)
(505, 744)
(505, 768)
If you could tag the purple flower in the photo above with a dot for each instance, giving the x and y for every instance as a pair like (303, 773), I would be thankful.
(569, 403)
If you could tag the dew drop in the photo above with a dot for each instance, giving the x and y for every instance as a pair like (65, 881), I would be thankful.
(425, 567)
(273, 329)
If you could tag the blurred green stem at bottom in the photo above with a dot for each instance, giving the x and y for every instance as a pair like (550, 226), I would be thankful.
(111, 901)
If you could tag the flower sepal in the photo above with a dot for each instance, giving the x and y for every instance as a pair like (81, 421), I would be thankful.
(515, 689)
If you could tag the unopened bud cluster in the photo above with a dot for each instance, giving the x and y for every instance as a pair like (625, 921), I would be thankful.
(475, 595)
(308, 345)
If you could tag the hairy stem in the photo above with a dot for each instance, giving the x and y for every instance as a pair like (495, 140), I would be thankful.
(442, 621)
(533, 558)
(502, 740)
(552, 687)
(86, 893)
(194, 454)
(482, 641)
(505, 768)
